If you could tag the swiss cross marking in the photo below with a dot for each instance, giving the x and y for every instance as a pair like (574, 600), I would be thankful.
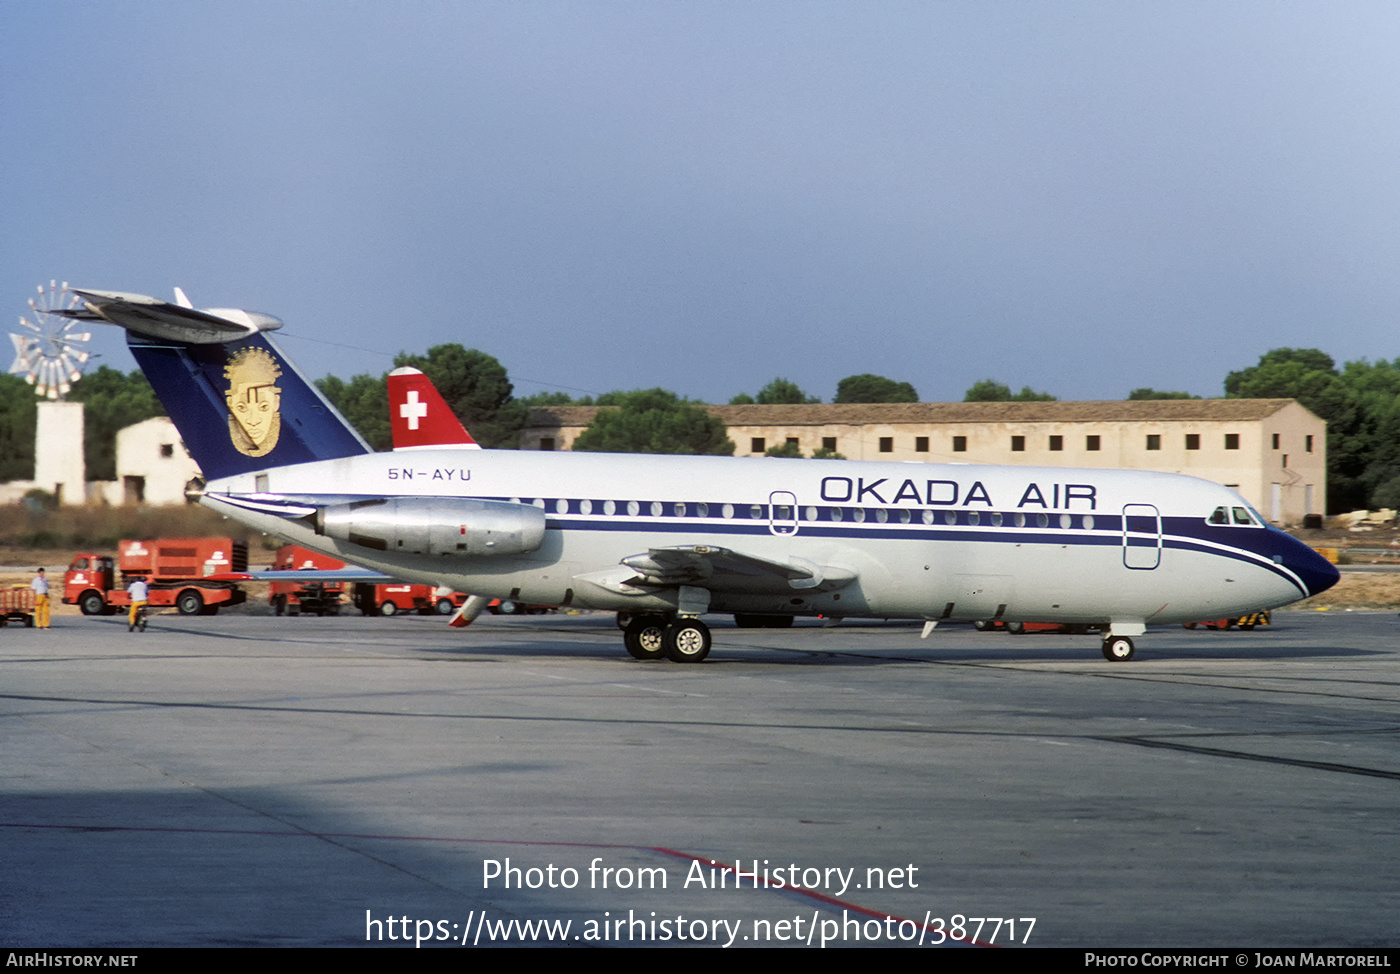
(413, 410)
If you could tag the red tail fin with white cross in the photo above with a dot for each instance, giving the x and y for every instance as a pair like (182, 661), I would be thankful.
(418, 415)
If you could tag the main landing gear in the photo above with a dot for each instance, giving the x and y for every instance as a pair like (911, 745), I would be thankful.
(679, 640)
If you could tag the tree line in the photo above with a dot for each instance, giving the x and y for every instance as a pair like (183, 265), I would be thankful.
(1360, 402)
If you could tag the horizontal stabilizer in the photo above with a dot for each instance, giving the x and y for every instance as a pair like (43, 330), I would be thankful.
(154, 318)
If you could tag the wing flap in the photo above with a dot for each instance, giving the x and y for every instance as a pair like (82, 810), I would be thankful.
(724, 570)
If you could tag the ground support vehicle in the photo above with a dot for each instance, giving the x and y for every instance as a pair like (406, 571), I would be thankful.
(391, 598)
(1017, 628)
(175, 569)
(17, 605)
(312, 597)
(1249, 620)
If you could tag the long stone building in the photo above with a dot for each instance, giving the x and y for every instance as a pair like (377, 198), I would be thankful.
(1273, 451)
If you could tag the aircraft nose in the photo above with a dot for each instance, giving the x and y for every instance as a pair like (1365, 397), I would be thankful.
(1317, 573)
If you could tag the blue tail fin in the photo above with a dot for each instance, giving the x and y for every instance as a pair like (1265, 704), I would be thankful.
(238, 403)
(241, 406)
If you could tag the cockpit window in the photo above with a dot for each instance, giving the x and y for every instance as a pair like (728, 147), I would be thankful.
(1238, 516)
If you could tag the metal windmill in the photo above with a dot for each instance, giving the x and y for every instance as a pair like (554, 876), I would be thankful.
(50, 353)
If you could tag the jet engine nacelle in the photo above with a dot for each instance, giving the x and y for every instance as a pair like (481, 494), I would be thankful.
(436, 526)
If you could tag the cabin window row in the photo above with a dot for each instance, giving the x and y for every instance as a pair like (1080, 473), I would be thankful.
(812, 513)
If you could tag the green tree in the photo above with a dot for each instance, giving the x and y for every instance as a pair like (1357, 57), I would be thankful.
(1140, 395)
(788, 449)
(873, 388)
(476, 388)
(989, 390)
(654, 421)
(1311, 377)
(364, 402)
(17, 420)
(777, 392)
(112, 400)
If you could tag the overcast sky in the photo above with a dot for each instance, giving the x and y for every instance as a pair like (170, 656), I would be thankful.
(1081, 197)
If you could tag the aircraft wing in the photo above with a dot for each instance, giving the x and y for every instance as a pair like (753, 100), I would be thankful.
(349, 573)
(718, 570)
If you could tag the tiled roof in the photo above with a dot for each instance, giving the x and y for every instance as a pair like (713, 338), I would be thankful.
(861, 414)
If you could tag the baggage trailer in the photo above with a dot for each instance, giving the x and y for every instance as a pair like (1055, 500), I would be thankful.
(17, 605)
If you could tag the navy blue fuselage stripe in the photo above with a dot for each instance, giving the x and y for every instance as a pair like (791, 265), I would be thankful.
(1182, 533)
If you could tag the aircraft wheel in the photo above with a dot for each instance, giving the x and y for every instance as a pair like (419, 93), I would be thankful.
(190, 603)
(511, 608)
(687, 641)
(981, 625)
(1018, 628)
(645, 637)
(1118, 649)
(92, 604)
(388, 609)
(623, 619)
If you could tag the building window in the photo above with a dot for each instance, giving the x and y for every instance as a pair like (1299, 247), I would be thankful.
(1091, 443)
(1285, 461)
(546, 443)
(1018, 444)
(829, 443)
(1193, 441)
(792, 441)
(1057, 443)
(887, 444)
(1232, 441)
(921, 444)
(167, 449)
(1309, 444)
(1275, 441)
(960, 444)
(757, 445)
(1154, 441)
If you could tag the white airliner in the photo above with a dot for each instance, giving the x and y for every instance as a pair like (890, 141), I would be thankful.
(667, 539)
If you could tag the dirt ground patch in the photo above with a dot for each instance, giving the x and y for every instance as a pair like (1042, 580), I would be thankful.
(1358, 590)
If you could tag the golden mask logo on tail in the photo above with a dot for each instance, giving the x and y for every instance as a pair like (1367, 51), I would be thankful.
(254, 402)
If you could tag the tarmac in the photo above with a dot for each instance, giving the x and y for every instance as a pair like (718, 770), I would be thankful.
(244, 779)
